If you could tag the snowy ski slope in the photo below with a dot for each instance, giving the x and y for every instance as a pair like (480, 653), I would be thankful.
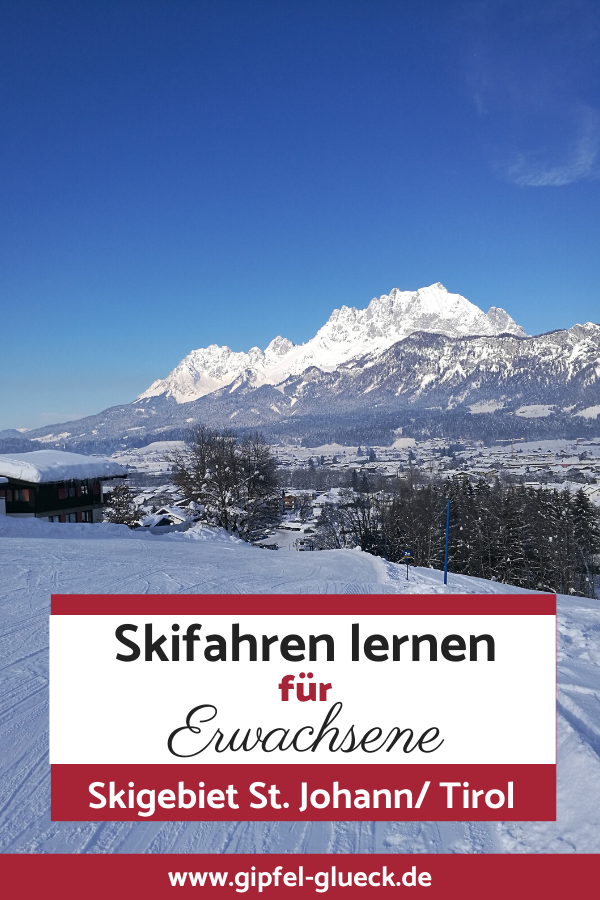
(38, 559)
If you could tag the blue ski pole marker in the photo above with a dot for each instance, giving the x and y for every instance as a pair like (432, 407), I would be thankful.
(446, 552)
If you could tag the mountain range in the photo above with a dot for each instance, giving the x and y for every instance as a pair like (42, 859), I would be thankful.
(424, 362)
(349, 334)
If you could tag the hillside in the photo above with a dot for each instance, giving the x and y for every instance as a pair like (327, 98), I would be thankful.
(37, 559)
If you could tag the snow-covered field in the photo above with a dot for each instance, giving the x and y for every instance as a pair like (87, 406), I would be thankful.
(37, 559)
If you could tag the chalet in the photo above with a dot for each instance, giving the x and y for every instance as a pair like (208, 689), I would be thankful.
(54, 485)
(296, 499)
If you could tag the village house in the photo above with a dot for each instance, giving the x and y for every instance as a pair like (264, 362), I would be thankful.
(166, 515)
(54, 485)
(296, 498)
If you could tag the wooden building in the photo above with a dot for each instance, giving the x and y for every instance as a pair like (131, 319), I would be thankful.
(54, 485)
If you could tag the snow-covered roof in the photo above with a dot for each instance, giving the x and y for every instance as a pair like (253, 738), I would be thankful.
(174, 511)
(42, 466)
(154, 519)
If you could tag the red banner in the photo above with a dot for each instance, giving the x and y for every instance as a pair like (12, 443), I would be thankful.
(451, 877)
(303, 604)
(138, 793)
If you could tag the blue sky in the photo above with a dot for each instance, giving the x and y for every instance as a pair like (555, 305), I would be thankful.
(180, 173)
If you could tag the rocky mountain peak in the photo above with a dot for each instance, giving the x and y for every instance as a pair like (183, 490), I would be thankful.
(349, 333)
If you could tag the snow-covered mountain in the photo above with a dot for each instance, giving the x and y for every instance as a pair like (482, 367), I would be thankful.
(427, 362)
(349, 334)
(561, 368)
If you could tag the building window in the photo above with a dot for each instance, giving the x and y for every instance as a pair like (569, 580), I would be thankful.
(86, 516)
(18, 494)
(72, 491)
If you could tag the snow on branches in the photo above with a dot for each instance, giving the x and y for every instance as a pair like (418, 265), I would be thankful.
(232, 482)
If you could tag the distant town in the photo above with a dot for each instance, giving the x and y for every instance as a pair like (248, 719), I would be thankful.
(318, 471)
(517, 512)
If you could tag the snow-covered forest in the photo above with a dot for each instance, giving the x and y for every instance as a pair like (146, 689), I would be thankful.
(534, 538)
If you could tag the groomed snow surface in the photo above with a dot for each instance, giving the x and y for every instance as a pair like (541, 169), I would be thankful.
(37, 559)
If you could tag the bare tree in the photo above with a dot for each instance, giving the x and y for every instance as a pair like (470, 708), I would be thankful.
(233, 483)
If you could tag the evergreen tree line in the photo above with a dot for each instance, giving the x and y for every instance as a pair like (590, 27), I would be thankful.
(545, 540)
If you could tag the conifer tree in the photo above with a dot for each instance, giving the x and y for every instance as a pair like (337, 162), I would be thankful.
(121, 508)
(538, 539)
(586, 536)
